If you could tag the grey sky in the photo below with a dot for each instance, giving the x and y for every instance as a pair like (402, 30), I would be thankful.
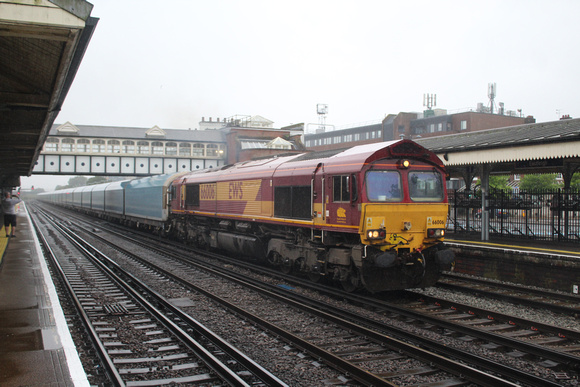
(170, 63)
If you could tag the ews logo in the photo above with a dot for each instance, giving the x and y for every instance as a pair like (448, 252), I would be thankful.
(235, 190)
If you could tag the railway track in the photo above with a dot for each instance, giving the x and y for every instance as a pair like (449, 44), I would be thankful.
(140, 337)
(538, 298)
(361, 344)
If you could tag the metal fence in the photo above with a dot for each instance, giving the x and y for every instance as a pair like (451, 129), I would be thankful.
(551, 215)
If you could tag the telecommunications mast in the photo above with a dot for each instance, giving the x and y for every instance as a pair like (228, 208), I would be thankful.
(322, 111)
(491, 93)
(429, 100)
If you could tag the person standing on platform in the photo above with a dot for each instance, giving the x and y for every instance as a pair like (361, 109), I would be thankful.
(9, 209)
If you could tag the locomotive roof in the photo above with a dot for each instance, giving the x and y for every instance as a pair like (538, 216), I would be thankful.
(348, 160)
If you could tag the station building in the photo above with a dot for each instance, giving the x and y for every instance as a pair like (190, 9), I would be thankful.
(430, 123)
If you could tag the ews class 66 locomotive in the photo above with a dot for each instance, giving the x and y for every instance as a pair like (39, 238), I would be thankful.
(372, 216)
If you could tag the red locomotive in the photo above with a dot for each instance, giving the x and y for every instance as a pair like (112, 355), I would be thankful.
(372, 216)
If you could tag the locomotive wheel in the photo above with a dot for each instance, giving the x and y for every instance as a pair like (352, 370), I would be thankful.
(314, 276)
(352, 281)
(286, 266)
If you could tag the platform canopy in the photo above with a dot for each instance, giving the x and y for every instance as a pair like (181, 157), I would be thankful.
(548, 147)
(42, 43)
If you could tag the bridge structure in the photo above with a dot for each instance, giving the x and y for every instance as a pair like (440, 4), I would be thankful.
(128, 151)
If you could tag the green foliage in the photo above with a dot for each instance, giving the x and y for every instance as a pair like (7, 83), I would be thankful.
(97, 180)
(535, 182)
(575, 184)
(499, 182)
(77, 181)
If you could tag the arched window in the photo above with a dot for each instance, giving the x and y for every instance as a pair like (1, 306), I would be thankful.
(171, 148)
(184, 149)
(198, 150)
(212, 150)
(98, 146)
(51, 145)
(67, 145)
(113, 146)
(128, 147)
(83, 145)
(157, 147)
(143, 147)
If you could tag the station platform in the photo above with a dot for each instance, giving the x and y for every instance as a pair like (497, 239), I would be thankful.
(550, 265)
(541, 247)
(36, 348)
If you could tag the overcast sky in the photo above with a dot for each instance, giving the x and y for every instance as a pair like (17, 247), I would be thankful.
(170, 63)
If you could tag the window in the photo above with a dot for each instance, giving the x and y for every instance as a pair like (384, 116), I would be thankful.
(440, 127)
(98, 146)
(171, 149)
(157, 148)
(128, 146)
(307, 143)
(67, 145)
(357, 137)
(184, 149)
(83, 145)
(464, 125)
(292, 202)
(113, 146)
(379, 133)
(143, 147)
(212, 150)
(192, 195)
(383, 186)
(337, 139)
(432, 128)
(51, 145)
(425, 186)
(340, 189)
(348, 138)
(198, 149)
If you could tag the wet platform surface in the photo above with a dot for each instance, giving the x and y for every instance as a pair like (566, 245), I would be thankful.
(35, 345)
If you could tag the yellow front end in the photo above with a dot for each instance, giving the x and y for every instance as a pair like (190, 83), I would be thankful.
(401, 245)
(405, 225)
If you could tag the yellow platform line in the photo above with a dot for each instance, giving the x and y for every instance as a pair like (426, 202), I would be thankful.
(3, 243)
(514, 246)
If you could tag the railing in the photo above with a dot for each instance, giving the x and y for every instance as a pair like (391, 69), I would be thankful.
(551, 215)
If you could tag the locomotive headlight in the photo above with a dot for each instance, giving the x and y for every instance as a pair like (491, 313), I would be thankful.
(435, 233)
(404, 164)
(376, 234)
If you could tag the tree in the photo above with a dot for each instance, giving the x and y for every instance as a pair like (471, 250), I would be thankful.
(499, 182)
(575, 183)
(77, 181)
(538, 182)
(97, 180)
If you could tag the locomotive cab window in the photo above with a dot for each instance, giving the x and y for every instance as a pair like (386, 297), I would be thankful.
(384, 186)
(192, 195)
(340, 189)
(425, 186)
(344, 189)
